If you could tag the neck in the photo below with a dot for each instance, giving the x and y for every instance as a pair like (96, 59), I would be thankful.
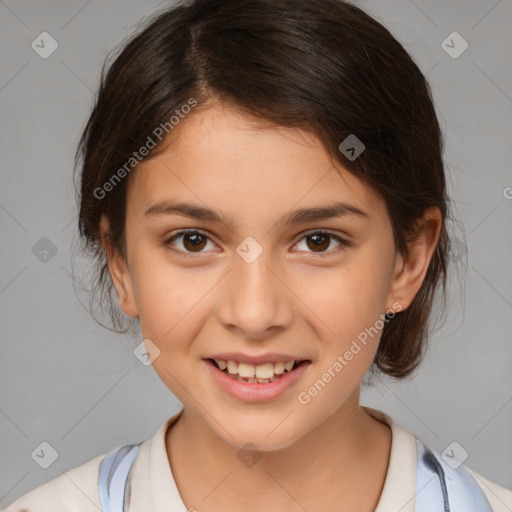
(346, 456)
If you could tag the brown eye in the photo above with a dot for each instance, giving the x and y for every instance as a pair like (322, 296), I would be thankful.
(192, 242)
(319, 241)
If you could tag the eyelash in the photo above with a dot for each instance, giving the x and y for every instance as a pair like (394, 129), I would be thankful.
(167, 242)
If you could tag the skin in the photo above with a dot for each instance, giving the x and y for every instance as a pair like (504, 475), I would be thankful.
(292, 299)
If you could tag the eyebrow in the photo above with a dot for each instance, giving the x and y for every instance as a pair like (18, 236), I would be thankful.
(313, 213)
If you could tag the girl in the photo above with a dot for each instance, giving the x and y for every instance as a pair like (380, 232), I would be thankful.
(262, 184)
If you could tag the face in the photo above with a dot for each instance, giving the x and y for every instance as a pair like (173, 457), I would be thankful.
(261, 283)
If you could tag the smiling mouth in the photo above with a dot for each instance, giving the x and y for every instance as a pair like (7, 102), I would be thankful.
(258, 374)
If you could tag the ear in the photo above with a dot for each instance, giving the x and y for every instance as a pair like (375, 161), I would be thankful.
(119, 272)
(410, 270)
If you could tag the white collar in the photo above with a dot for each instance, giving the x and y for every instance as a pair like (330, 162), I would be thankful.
(156, 488)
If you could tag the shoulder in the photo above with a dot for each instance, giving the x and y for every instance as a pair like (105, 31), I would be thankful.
(76, 489)
(499, 498)
(403, 467)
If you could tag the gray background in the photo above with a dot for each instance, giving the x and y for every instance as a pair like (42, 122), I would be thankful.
(69, 382)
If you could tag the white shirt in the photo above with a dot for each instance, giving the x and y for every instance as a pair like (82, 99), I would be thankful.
(153, 487)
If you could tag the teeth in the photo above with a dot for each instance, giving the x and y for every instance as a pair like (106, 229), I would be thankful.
(263, 373)
(246, 370)
(289, 365)
(279, 368)
(232, 367)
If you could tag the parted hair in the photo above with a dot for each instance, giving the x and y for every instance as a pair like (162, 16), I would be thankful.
(323, 66)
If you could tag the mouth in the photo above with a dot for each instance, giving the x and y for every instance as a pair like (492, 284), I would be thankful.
(257, 374)
(257, 383)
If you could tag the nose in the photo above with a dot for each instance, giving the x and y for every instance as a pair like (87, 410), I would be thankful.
(255, 300)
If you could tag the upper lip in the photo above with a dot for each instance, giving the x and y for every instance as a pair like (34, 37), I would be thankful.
(255, 360)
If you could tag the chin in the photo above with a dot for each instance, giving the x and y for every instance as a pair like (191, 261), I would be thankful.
(271, 435)
(257, 441)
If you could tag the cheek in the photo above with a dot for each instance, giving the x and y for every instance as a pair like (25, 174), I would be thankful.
(168, 296)
(345, 300)
(347, 305)
(341, 301)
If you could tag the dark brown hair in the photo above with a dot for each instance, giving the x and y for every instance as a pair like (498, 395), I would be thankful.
(323, 66)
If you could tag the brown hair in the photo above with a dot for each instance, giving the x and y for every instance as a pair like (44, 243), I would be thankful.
(323, 66)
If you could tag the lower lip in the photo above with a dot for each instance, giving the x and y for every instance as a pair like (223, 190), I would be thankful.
(254, 391)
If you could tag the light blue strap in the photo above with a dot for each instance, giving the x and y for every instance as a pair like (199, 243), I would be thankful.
(441, 488)
(114, 471)
(429, 483)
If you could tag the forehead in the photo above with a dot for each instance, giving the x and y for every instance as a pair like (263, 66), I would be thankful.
(233, 163)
